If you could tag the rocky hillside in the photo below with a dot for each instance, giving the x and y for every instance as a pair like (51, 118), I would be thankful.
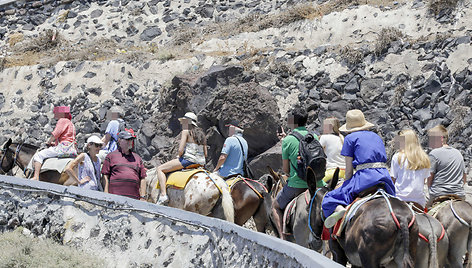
(405, 63)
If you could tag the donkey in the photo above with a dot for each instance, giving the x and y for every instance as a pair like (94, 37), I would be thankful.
(433, 242)
(251, 199)
(457, 220)
(374, 237)
(20, 154)
(205, 193)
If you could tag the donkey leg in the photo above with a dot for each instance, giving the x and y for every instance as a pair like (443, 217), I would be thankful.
(339, 255)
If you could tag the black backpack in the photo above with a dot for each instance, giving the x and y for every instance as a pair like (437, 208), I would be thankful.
(310, 154)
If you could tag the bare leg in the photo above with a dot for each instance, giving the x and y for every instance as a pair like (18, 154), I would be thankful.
(277, 215)
(37, 169)
(167, 167)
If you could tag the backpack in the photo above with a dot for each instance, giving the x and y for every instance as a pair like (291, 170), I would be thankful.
(310, 154)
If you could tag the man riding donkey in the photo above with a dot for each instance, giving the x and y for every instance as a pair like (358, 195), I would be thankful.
(62, 140)
(297, 119)
(234, 153)
(366, 166)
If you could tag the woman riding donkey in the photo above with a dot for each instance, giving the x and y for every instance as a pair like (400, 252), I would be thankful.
(364, 151)
(62, 140)
(192, 153)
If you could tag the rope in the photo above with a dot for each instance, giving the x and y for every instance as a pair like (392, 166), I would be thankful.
(208, 174)
(458, 217)
(309, 214)
(395, 219)
(252, 187)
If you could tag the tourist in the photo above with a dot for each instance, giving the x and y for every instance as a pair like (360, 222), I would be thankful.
(110, 139)
(192, 153)
(409, 168)
(364, 152)
(332, 141)
(123, 170)
(62, 140)
(234, 152)
(448, 174)
(89, 166)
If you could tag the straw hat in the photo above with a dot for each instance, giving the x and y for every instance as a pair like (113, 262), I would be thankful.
(191, 116)
(355, 121)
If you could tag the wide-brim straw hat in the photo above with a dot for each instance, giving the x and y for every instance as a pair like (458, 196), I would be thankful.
(355, 121)
(191, 116)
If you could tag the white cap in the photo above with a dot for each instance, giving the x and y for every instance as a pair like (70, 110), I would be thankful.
(94, 139)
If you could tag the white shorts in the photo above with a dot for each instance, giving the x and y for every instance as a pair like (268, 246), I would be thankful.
(44, 154)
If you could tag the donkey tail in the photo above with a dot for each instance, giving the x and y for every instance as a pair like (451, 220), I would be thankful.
(405, 235)
(433, 249)
(226, 199)
(469, 248)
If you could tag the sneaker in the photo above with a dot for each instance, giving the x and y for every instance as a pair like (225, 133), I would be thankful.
(163, 200)
(334, 218)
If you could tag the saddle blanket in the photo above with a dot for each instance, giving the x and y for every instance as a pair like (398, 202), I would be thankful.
(233, 181)
(56, 164)
(179, 179)
(288, 212)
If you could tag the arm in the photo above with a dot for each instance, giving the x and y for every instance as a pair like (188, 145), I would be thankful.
(464, 178)
(71, 167)
(286, 166)
(349, 167)
(183, 141)
(221, 161)
(205, 149)
(106, 179)
(51, 141)
(106, 139)
(430, 180)
(142, 189)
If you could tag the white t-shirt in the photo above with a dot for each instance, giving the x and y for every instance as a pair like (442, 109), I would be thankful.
(332, 146)
(409, 185)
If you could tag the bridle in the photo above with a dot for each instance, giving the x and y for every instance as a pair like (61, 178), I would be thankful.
(15, 157)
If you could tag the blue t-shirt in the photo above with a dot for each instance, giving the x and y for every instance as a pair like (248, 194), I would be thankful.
(112, 128)
(234, 160)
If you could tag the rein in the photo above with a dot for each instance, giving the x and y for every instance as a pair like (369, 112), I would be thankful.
(317, 237)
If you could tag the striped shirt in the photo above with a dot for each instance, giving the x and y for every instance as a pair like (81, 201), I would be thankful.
(125, 172)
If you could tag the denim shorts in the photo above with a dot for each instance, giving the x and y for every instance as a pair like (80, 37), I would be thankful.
(287, 194)
(185, 163)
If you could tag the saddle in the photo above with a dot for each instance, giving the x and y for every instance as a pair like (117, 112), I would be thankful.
(54, 164)
(179, 179)
(289, 211)
(441, 202)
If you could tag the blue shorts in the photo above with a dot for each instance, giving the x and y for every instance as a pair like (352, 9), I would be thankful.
(185, 163)
(287, 194)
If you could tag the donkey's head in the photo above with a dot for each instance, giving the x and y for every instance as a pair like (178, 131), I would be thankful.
(6, 157)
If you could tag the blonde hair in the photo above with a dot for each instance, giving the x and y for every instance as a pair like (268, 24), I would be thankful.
(335, 123)
(441, 130)
(414, 153)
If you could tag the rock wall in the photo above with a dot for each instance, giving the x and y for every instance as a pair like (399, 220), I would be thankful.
(131, 233)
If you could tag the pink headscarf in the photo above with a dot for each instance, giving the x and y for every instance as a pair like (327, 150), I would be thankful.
(63, 109)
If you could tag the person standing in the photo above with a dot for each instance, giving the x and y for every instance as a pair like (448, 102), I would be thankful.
(192, 153)
(234, 152)
(409, 168)
(297, 119)
(448, 174)
(123, 170)
(62, 140)
(365, 153)
(89, 166)
(332, 141)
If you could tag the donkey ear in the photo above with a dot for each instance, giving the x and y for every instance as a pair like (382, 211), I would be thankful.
(7, 144)
(310, 178)
(334, 180)
(274, 174)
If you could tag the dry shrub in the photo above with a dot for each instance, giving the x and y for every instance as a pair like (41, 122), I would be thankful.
(15, 38)
(18, 250)
(351, 55)
(459, 112)
(46, 40)
(399, 92)
(437, 6)
(386, 36)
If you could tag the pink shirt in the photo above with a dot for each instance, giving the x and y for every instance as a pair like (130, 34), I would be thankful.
(64, 131)
(125, 173)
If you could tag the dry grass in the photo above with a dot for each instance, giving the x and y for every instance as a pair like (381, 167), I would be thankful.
(386, 36)
(15, 38)
(18, 250)
(351, 55)
(437, 6)
(399, 92)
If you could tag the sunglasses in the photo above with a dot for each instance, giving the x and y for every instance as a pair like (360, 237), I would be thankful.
(96, 144)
